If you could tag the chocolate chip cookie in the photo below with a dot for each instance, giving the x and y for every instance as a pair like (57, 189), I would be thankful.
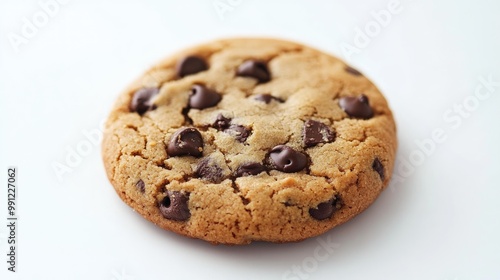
(250, 139)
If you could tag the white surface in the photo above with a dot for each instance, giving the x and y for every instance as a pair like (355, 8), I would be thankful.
(442, 222)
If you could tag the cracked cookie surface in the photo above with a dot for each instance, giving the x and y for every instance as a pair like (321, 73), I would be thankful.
(250, 139)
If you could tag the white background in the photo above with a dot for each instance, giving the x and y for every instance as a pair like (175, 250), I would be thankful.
(441, 221)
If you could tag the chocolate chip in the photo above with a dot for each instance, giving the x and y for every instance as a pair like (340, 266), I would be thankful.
(191, 65)
(315, 132)
(326, 209)
(185, 114)
(239, 132)
(255, 69)
(140, 186)
(208, 170)
(379, 168)
(267, 98)
(175, 206)
(286, 159)
(358, 107)
(288, 203)
(186, 142)
(251, 168)
(142, 100)
(221, 122)
(352, 71)
(202, 97)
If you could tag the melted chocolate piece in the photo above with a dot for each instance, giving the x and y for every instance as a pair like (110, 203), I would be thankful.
(202, 97)
(140, 186)
(315, 132)
(255, 69)
(286, 159)
(175, 206)
(326, 209)
(251, 168)
(357, 107)
(239, 132)
(209, 170)
(221, 122)
(379, 168)
(142, 100)
(267, 98)
(186, 142)
(191, 65)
